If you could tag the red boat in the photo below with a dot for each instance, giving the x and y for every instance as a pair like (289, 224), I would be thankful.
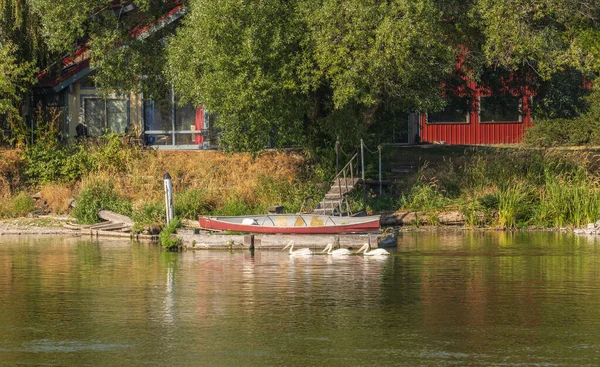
(292, 224)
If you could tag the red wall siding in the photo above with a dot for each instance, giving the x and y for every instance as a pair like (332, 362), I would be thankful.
(475, 132)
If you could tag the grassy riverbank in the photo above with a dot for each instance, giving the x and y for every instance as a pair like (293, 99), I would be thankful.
(509, 187)
(503, 187)
(129, 180)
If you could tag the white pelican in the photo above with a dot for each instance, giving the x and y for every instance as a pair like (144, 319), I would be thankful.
(341, 251)
(376, 252)
(299, 252)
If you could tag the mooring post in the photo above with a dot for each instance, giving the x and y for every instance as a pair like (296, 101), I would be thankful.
(168, 197)
(380, 178)
(251, 242)
(337, 156)
(364, 186)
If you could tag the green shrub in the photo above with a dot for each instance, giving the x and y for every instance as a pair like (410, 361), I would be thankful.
(165, 239)
(23, 204)
(96, 196)
(17, 206)
(189, 204)
(111, 154)
(556, 132)
(236, 206)
(148, 215)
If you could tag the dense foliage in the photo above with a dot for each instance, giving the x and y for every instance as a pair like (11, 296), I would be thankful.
(306, 71)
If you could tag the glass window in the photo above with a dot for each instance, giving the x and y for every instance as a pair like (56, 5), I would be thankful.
(500, 108)
(116, 115)
(94, 116)
(101, 115)
(456, 111)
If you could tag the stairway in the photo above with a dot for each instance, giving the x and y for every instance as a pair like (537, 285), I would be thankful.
(334, 198)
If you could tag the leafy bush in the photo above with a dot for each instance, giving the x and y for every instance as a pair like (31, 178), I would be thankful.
(165, 239)
(23, 204)
(95, 196)
(149, 216)
(189, 204)
(17, 206)
(557, 132)
(111, 154)
(236, 206)
(52, 163)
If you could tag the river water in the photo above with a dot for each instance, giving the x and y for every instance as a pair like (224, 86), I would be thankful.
(443, 299)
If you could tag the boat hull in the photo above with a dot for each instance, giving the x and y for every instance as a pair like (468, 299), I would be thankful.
(292, 224)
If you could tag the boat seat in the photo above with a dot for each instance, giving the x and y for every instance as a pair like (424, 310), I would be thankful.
(249, 222)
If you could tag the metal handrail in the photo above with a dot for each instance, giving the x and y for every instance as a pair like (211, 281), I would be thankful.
(342, 172)
(347, 170)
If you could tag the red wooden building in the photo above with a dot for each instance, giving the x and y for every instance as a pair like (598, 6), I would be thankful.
(496, 113)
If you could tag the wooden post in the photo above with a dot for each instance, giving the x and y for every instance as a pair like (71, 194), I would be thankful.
(364, 186)
(168, 197)
(251, 242)
(337, 156)
(380, 179)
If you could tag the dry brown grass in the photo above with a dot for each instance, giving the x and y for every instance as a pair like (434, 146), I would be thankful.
(11, 162)
(216, 174)
(57, 197)
(218, 177)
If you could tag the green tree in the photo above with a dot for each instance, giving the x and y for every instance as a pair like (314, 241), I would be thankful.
(545, 35)
(15, 79)
(304, 68)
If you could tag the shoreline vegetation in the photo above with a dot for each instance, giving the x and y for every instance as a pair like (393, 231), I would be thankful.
(493, 187)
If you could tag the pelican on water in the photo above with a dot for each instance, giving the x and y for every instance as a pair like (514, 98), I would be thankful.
(376, 252)
(341, 251)
(299, 252)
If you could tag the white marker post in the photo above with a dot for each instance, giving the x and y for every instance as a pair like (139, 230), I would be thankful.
(169, 197)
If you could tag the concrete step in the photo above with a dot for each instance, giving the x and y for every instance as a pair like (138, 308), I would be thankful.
(333, 196)
(404, 169)
(349, 181)
(337, 189)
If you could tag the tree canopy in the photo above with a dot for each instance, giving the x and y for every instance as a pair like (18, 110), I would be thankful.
(306, 71)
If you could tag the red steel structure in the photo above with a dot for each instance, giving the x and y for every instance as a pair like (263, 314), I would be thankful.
(475, 131)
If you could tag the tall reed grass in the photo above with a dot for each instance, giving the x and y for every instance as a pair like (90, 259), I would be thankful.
(513, 188)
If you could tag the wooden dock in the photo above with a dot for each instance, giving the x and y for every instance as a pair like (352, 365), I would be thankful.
(208, 240)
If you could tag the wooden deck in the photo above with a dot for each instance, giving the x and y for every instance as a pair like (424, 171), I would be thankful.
(207, 240)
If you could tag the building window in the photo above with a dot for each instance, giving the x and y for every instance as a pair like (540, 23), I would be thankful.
(456, 111)
(158, 117)
(87, 83)
(500, 108)
(101, 115)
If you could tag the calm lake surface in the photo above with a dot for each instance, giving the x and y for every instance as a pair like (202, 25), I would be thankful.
(444, 298)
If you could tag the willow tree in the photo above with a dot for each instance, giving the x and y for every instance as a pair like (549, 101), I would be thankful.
(244, 60)
(306, 68)
(545, 35)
